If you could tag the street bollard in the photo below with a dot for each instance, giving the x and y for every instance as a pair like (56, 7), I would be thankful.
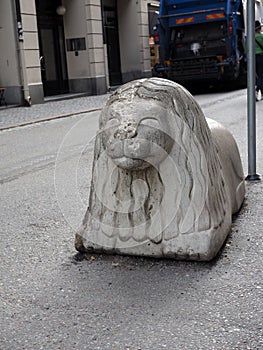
(165, 181)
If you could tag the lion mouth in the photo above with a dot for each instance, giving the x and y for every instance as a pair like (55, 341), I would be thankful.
(126, 162)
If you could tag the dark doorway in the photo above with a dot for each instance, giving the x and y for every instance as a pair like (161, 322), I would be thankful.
(111, 39)
(52, 47)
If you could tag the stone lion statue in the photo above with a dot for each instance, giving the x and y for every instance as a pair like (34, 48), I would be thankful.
(165, 179)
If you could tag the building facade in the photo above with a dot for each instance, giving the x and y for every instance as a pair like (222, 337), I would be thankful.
(53, 47)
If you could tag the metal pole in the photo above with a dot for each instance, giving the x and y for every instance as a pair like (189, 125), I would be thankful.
(251, 106)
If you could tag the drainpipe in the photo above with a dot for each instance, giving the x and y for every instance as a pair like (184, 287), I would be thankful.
(21, 56)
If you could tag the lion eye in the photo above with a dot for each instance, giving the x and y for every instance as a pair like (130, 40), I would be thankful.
(112, 122)
(151, 122)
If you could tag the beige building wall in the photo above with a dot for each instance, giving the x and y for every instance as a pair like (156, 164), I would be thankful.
(75, 27)
(134, 39)
(9, 63)
(19, 59)
(86, 68)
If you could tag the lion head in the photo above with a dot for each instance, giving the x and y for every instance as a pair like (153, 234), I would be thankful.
(136, 133)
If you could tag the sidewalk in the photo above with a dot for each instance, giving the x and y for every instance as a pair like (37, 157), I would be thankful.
(18, 116)
(13, 116)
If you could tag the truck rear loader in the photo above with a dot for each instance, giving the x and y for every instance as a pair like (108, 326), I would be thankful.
(203, 40)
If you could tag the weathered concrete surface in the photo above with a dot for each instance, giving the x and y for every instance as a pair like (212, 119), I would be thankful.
(53, 299)
(165, 183)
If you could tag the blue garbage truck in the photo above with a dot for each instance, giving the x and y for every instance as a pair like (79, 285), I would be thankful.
(203, 40)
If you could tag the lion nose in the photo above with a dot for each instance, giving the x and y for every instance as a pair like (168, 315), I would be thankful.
(126, 131)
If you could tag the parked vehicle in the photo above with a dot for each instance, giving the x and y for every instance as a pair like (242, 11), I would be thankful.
(203, 40)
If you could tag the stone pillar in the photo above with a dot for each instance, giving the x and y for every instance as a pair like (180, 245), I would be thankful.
(29, 54)
(144, 37)
(19, 62)
(95, 46)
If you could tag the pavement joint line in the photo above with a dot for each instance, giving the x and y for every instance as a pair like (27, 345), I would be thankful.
(40, 120)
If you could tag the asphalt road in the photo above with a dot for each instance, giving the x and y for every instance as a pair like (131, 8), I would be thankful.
(53, 298)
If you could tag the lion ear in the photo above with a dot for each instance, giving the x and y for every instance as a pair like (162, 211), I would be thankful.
(99, 146)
